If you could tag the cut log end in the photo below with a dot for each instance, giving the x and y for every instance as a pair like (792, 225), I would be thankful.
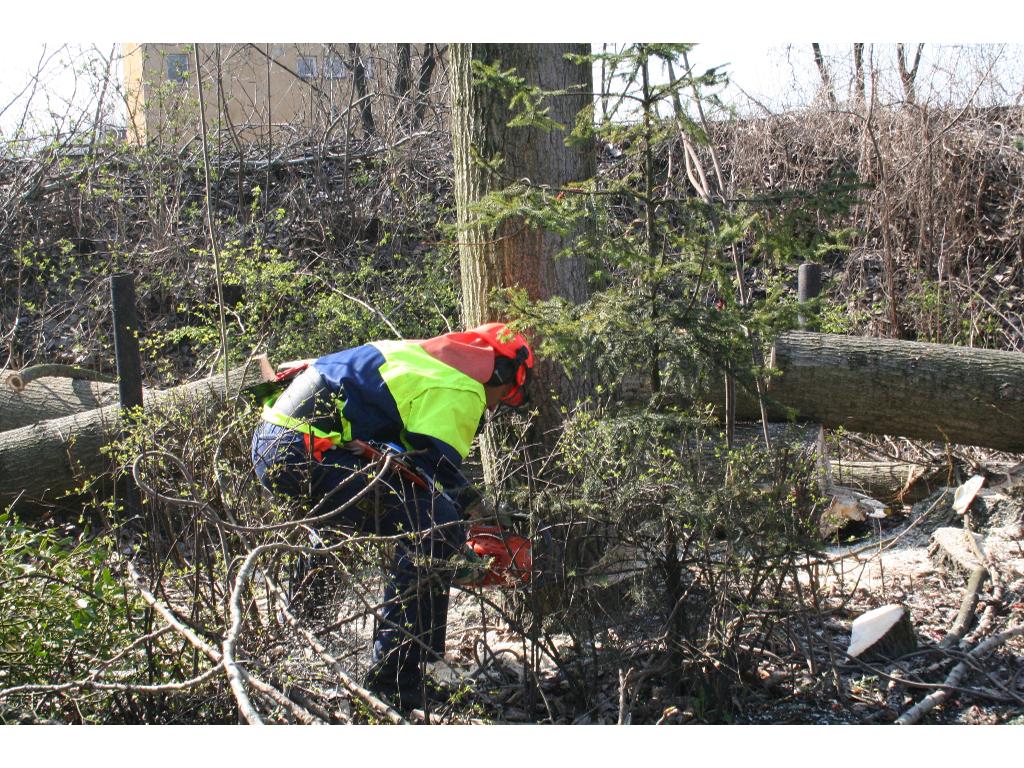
(884, 633)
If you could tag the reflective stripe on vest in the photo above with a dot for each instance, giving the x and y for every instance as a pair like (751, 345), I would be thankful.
(272, 415)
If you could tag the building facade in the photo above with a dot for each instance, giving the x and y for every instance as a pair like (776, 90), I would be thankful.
(256, 92)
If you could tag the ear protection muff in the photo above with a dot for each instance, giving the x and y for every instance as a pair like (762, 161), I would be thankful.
(504, 372)
(510, 371)
(514, 371)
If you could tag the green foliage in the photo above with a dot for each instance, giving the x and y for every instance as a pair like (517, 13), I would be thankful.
(274, 303)
(685, 285)
(525, 101)
(682, 285)
(61, 612)
(705, 538)
(939, 313)
(646, 469)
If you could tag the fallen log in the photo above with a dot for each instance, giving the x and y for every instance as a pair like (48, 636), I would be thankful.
(41, 462)
(889, 481)
(882, 386)
(50, 397)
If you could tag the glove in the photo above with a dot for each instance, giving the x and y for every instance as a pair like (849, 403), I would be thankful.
(469, 500)
(470, 569)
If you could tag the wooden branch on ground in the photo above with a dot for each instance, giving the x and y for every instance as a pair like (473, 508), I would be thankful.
(215, 656)
(932, 700)
(965, 617)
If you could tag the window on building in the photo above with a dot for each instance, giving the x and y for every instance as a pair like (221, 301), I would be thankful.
(306, 67)
(334, 67)
(177, 67)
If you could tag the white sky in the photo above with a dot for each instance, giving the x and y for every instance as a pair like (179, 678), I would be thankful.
(766, 45)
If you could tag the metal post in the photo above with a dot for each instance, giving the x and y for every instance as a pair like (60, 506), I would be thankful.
(129, 366)
(808, 287)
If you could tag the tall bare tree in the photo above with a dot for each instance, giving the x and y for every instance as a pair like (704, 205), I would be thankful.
(826, 78)
(359, 79)
(428, 63)
(402, 77)
(908, 76)
(858, 73)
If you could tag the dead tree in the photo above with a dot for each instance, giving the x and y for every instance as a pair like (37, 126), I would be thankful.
(359, 79)
(908, 76)
(50, 397)
(826, 78)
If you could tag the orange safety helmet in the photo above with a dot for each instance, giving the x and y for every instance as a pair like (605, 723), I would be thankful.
(513, 348)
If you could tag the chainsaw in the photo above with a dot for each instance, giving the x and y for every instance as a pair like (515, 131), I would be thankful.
(499, 553)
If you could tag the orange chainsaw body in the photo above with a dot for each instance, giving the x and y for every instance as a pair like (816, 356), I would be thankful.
(511, 555)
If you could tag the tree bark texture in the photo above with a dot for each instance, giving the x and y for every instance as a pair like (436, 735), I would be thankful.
(889, 481)
(41, 462)
(883, 386)
(359, 80)
(427, 66)
(826, 78)
(50, 398)
(403, 74)
(516, 256)
(858, 77)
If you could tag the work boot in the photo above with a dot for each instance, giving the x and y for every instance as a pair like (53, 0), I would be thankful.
(407, 694)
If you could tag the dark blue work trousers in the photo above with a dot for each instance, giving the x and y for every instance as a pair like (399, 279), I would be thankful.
(414, 611)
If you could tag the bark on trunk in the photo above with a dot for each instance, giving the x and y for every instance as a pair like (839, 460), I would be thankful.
(359, 80)
(516, 256)
(51, 397)
(858, 68)
(427, 65)
(403, 75)
(883, 386)
(42, 462)
(826, 78)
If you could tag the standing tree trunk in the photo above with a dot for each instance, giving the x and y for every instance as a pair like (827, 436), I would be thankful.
(908, 76)
(826, 78)
(403, 79)
(359, 80)
(516, 256)
(858, 70)
(427, 66)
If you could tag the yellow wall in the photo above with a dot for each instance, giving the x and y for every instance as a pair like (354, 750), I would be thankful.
(250, 91)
